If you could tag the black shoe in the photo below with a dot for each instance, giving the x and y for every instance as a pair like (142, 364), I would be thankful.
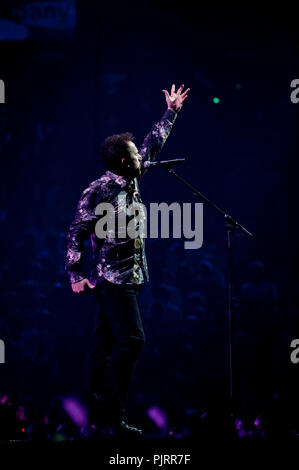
(111, 418)
(124, 428)
(121, 429)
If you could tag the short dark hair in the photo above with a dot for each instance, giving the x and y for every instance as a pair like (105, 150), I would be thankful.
(114, 149)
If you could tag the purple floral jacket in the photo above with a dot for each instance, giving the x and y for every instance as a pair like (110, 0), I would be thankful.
(119, 260)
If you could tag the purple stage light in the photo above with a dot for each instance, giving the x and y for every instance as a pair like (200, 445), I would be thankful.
(76, 411)
(158, 416)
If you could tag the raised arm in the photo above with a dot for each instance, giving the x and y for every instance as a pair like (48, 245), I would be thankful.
(158, 134)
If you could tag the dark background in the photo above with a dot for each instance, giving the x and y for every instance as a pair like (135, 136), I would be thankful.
(64, 94)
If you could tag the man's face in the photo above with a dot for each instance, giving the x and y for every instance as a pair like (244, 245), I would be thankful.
(132, 162)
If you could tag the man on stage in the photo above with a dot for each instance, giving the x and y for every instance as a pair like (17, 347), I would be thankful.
(119, 266)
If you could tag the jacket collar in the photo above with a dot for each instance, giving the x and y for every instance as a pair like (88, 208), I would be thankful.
(122, 181)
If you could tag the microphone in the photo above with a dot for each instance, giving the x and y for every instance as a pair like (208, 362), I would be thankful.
(148, 164)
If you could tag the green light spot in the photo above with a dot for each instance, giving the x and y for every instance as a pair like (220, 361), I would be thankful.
(216, 100)
(58, 437)
(238, 86)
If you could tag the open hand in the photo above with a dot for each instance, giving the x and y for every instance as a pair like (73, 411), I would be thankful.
(80, 287)
(176, 99)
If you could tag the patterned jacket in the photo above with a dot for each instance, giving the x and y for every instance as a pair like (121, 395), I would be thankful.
(119, 258)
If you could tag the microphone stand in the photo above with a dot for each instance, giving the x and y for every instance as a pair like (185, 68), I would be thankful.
(231, 224)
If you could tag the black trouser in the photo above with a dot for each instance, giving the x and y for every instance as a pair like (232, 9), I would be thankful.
(117, 342)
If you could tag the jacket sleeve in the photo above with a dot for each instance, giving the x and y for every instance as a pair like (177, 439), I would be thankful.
(157, 136)
(82, 226)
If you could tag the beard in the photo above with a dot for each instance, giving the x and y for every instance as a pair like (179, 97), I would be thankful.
(131, 171)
